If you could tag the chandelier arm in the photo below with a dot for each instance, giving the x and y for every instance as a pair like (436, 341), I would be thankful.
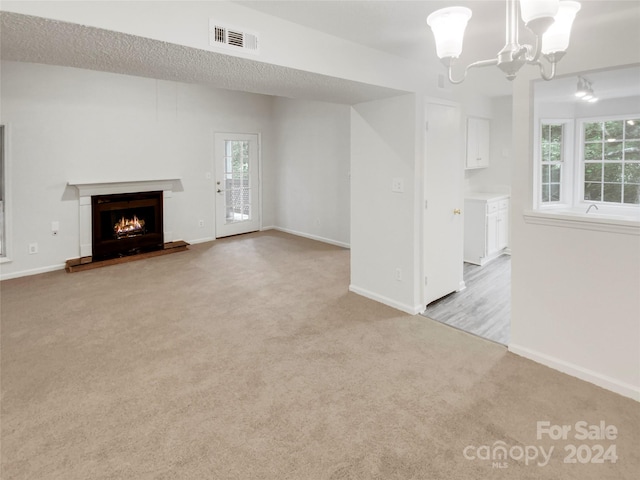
(543, 74)
(533, 59)
(480, 63)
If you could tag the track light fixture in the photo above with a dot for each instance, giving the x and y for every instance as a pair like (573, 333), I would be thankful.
(584, 90)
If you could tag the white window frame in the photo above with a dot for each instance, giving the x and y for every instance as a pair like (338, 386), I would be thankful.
(571, 212)
(567, 170)
(579, 200)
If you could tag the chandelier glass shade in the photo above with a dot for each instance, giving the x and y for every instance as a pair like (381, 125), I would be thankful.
(549, 20)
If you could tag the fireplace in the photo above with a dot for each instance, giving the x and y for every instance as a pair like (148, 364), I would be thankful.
(126, 224)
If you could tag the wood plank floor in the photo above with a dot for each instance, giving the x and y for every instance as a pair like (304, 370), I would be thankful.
(484, 307)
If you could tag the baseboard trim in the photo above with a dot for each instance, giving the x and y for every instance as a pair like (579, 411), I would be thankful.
(604, 381)
(309, 236)
(35, 271)
(386, 301)
(201, 240)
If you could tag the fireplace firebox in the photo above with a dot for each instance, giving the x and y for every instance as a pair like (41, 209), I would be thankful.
(126, 224)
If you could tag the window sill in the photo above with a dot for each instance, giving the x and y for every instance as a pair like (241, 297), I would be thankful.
(624, 224)
(4, 260)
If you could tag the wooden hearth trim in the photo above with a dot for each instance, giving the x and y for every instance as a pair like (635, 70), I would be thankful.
(86, 263)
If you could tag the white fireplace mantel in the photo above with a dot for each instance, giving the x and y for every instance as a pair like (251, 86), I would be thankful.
(88, 189)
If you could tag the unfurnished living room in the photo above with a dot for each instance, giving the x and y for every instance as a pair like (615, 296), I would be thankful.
(227, 229)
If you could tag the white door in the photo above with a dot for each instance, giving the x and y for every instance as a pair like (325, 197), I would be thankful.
(237, 184)
(443, 225)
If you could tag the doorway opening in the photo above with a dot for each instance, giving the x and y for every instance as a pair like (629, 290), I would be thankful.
(483, 308)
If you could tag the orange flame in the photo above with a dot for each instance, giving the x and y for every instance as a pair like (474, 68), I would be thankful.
(126, 225)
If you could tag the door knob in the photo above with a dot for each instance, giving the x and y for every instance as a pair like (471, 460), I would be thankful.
(457, 211)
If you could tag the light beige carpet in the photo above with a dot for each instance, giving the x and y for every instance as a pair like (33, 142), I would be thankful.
(247, 358)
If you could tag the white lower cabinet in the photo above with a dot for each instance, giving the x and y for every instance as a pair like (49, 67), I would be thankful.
(486, 227)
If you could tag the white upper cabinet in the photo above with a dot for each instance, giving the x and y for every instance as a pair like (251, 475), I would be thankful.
(478, 133)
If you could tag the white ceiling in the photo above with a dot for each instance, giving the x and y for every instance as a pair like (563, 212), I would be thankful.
(394, 26)
(399, 27)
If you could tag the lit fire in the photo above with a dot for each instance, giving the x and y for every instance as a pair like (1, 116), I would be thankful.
(128, 226)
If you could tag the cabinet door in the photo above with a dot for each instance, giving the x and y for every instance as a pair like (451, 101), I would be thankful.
(478, 133)
(492, 233)
(502, 229)
(484, 134)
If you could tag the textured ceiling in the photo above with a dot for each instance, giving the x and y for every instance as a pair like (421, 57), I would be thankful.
(38, 40)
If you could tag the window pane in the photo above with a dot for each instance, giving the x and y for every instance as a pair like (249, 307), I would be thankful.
(555, 152)
(613, 151)
(545, 152)
(554, 192)
(592, 132)
(545, 173)
(545, 193)
(555, 173)
(545, 133)
(612, 192)
(593, 151)
(613, 130)
(613, 172)
(593, 172)
(632, 150)
(632, 194)
(592, 192)
(632, 128)
(555, 133)
(632, 172)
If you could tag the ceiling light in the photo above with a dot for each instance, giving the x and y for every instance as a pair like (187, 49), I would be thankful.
(549, 20)
(584, 90)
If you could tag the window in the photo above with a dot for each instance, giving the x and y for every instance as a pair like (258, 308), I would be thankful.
(611, 161)
(588, 160)
(551, 161)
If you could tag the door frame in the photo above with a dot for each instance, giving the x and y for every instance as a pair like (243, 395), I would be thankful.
(215, 186)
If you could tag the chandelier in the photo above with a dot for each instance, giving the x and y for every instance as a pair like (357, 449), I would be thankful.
(549, 20)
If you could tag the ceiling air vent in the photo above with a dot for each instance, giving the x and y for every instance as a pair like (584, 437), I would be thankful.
(232, 38)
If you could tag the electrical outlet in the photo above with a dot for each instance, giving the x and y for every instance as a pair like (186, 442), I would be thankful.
(397, 185)
(33, 248)
(398, 274)
(201, 223)
(55, 226)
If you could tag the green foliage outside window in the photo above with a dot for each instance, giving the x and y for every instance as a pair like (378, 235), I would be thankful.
(612, 161)
(551, 143)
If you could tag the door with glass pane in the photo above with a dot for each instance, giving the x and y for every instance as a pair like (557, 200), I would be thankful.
(237, 184)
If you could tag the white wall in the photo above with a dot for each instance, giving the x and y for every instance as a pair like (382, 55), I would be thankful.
(576, 110)
(497, 177)
(575, 303)
(66, 124)
(312, 162)
(385, 225)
